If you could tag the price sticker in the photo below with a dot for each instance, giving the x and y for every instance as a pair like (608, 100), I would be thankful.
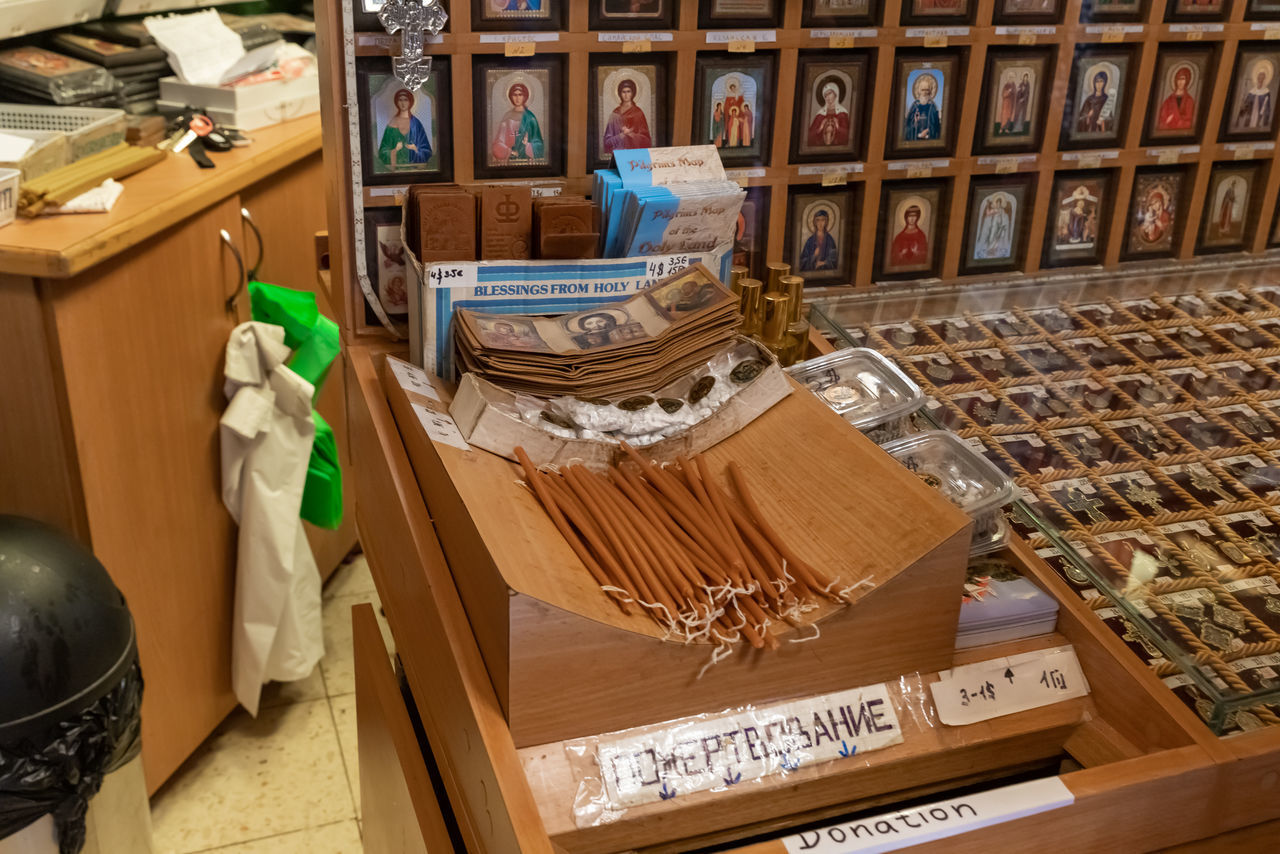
(1006, 165)
(637, 46)
(742, 46)
(659, 268)
(919, 171)
(520, 48)
(840, 40)
(1245, 152)
(452, 275)
(1167, 157)
(1090, 161)
(1005, 686)
(1026, 38)
(1111, 35)
(1271, 33)
(935, 40)
(835, 178)
(1195, 35)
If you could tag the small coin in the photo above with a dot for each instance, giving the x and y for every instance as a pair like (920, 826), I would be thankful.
(746, 371)
(670, 404)
(633, 404)
(839, 394)
(558, 420)
(701, 389)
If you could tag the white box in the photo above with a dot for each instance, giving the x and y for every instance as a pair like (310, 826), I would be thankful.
(252, 119)
(237, 99)
(8, 195)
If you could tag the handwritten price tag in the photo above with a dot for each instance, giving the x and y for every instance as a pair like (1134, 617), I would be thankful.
(1026, 38)
(742, 46)
(1244, 153)
(841, 40)
(835, 178)
(1091, 161)
(451, 275)
(1167, 157)
(659, 268)
(520, 48)
(1271, 33)
(1005, 686)
(919, 171)
(935, 41)
(1006, 165)
(1113, 34)
(1195, 35)
(637, 46)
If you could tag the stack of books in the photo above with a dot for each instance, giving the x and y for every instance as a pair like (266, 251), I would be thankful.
(131, 58)
(36, 75)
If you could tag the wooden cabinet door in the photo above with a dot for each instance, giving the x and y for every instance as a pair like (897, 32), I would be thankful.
(288, 208)
(142, 339)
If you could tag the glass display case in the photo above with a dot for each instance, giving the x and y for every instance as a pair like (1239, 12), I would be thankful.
(1139, 416)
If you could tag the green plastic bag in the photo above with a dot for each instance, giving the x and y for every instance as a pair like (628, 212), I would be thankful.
(315, 344)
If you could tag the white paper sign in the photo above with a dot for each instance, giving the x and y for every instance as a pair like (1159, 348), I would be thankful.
(460, 275)
(441, 427)
(1003, 686)
(891, 831)
(413, 378)
(200, 46)
(635, 37)
(727, 36)
(722, 751)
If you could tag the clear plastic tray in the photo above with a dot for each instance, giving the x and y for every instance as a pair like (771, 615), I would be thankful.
(965, 477)
(865, 388)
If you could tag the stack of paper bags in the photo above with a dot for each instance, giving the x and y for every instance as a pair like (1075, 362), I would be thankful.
(615, 349)
(660, 201)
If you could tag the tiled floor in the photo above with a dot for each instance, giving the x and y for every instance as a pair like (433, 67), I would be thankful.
(286, 782)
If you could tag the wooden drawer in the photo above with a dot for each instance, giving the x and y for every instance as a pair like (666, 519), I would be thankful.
(1152, 777)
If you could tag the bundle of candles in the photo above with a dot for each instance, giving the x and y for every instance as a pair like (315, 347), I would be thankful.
(62, 185)
(704, 565)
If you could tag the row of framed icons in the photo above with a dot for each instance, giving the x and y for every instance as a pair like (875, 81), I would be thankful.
(912, 229)
(489, 15)
(520, 116)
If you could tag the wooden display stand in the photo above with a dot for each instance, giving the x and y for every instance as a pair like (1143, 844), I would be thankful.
(577, 44)
(566, 662)
(1144, 756)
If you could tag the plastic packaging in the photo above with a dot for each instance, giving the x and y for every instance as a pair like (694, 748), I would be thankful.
(968, 480)
(61, 776)
(749, 747)
(864, 388)
(644, 419)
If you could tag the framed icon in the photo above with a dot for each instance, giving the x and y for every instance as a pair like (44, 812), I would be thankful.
(1250, 113)
(491, 15)
(1103, 11)
(627, 105)
(1197, 10)
(911, 233)
(1156, 213)
(751, 237)
(1016, 86)
(1076, 232)
(735, 14)
(520, 116)
(1231, 206)
(821, 234)
(925, 102)
(937, 11)
(1098, 96)
(406, 136)
(733, 105)
(829, 111)
(1027, 12)
(384, 259)
(1179, 94)
(998, 213)
(629, 14)
(839, 13)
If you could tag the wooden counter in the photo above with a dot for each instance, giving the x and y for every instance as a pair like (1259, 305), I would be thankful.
(113, 329)
(153, 200)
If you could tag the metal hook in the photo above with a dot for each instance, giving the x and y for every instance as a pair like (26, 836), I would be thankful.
(262, 247)
(240, 283)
